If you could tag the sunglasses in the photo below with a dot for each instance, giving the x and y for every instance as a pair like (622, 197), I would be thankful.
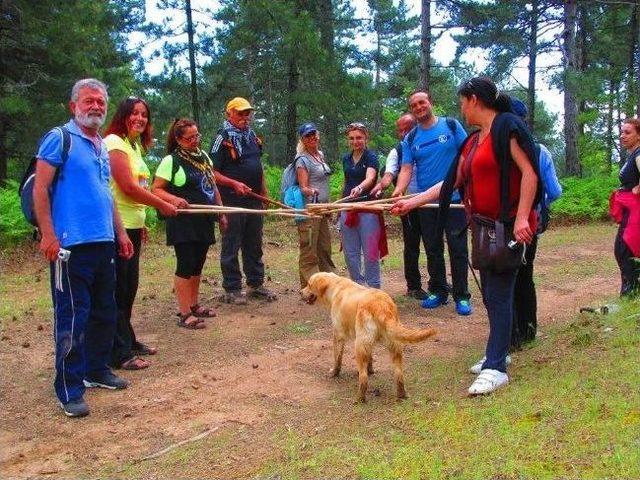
(356, 126)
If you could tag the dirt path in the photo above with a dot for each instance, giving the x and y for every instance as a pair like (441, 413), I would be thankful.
(230, 376)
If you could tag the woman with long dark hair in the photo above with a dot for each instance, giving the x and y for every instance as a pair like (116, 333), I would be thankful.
(186, 176)
(128, 137)
(498, 173)
(625, 209)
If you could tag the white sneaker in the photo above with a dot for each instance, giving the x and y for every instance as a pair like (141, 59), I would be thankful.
(488, 381)
(477, 368)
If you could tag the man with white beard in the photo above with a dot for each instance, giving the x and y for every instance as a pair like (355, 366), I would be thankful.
(80, 227)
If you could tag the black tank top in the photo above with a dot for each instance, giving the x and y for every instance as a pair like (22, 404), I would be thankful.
(629, 173)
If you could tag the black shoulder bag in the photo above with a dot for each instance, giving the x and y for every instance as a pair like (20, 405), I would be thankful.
(493, 246)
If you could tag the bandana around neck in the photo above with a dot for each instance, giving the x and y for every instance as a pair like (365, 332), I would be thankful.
(236, 135)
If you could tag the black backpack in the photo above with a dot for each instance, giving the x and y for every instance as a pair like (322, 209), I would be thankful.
(25, 191)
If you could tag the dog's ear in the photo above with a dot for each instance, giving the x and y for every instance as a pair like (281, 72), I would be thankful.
(321, 284)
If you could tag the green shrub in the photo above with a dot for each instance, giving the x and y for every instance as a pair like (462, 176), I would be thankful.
(584, 198)
(13, 226)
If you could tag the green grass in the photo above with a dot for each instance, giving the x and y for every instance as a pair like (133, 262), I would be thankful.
(572, 410)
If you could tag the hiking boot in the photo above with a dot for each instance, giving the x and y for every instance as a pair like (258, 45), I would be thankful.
(434, 301)
(106, 380)
(417, 293)
(75, 408)
(463, 307)
(234, 297)
(261, 292)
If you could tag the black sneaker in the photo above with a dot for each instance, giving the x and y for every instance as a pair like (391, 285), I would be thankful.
(75, 408)
(107, 380)
(417, 293)
(261, 292)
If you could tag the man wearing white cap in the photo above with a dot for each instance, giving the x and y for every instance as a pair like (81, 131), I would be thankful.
(236, 154)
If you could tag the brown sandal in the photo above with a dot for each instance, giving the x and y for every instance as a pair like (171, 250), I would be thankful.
(197, 325)
(202, 312)
(134, 363)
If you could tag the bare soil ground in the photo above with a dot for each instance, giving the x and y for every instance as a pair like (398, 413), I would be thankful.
(253, 370)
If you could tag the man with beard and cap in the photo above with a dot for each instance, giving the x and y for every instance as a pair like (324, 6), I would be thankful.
(430, 149)
(80, 226)
(411, 233)
(236, 153)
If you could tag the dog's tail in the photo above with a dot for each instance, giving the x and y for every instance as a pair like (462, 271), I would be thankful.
(410, 335)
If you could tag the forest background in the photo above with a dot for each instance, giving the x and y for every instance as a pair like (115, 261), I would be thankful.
(301, 60)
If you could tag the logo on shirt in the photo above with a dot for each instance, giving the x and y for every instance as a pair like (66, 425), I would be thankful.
(443, 138)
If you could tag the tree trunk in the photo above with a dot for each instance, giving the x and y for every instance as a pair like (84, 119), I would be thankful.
(425, 45)
(325, 22)
(192, 64)
(572, 161)
(533, 54)
(377, 113)
(610, 135)
(635, 56)
(292, 104)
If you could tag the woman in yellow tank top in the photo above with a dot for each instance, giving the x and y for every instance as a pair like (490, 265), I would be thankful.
(128, 137)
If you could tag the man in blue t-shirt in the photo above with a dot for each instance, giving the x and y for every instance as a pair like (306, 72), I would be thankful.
(431, 148)
(77, 219)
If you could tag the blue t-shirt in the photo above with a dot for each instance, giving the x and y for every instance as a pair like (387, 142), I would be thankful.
(81, 201)
(354, 174)
(432, 152)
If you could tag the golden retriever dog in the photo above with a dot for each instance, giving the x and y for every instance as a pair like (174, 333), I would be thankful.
(367, 314)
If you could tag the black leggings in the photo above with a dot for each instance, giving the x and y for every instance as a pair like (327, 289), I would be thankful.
(127, 274)
(190, 258)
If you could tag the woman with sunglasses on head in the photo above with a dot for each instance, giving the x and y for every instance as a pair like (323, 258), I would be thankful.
(186, 176)
(312, 173)
(362, 232)
(501, 149)
(128, 137)
(625, 209)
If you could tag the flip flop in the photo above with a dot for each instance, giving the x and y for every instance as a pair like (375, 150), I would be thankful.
(134, 363)
(143, 349)
(182, 322)
(203, 312)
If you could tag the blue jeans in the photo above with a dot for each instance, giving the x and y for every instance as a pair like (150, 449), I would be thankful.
(497, 294)
(85, 315)
(362, 241)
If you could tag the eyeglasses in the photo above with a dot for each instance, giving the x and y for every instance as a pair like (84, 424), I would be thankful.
(310, 134)
(197, 136)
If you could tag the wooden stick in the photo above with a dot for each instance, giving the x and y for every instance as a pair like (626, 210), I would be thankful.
(267, 199)
(197, 206)
(200, 436)
(204, 211)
